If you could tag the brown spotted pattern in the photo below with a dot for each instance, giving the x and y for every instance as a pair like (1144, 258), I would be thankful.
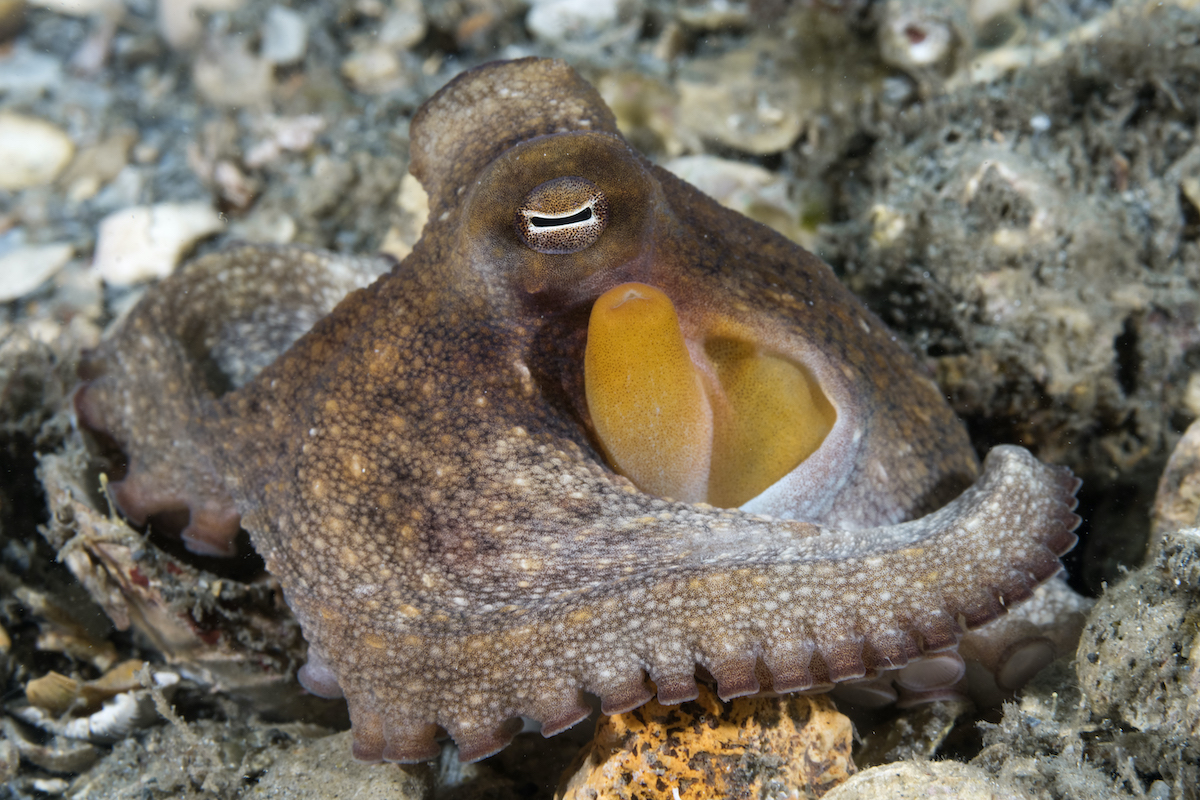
(419, 471)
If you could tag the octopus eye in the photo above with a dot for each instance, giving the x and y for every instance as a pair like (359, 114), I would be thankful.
(564, 215)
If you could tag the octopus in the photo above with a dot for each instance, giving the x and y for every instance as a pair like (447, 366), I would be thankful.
(596, 435)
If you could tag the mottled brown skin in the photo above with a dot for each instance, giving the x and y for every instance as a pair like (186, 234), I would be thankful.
(418, 469)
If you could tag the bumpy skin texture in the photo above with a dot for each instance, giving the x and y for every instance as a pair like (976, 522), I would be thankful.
(420, 472)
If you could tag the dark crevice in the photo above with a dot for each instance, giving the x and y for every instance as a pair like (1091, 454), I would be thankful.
(1128, 357)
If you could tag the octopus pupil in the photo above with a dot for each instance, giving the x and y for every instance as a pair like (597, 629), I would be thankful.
(546, 222)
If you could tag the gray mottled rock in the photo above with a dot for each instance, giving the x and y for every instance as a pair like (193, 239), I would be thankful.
(323, 768)
(910, 780)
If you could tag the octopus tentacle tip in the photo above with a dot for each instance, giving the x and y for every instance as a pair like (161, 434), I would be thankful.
(368, 742)
(405, 744)
(624, 697)
(565, 718)
(843, 660)
(675, 689)
(736, 678)
(479, 742)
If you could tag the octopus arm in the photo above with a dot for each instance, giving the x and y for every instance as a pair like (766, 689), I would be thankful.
(151, 388)
(760, 604)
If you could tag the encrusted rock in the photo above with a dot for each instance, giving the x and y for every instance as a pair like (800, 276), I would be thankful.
(1138, 655)
(734, 101)
(326, 762)
(793, 746)
(760, 98)
(749, 189)
(1177, 503)
(916, 780)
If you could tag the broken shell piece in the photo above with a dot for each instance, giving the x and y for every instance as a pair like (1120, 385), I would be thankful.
(120, 715)
(58, 693)
(10, 761)
(58, 755)
(144, 242)
(926, 38)
(53, 691)
(50, 786)
(121, 678)
(59, 632)
(24, 269)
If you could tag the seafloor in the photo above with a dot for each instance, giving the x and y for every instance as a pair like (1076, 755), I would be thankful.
(1012, 185)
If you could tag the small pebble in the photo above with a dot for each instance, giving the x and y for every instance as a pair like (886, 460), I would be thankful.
(227, 73)
(81, 8)
(268, 225)
(1159, 790)
(32, 151)
(28, 73)
(145, 242)
(284, 36)
(562, 20)
(95, 166)
(26, 268)
(179, 23)
(52, 786)
(403, 27)
(375, 70)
